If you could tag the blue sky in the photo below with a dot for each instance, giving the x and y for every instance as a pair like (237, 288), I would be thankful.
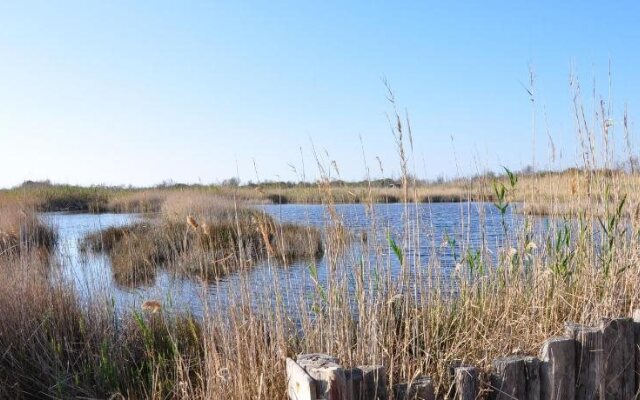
(114, 92)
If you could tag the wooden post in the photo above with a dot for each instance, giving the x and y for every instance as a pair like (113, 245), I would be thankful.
(318, 359)
(466, 379)
(589, 360)
(619, 358)
(532, 375)
(636, 335)
(557, 369)
(508, 380)
(368, 382)
(420, 388)
(300, 386)
(329, 376)
(451, 373)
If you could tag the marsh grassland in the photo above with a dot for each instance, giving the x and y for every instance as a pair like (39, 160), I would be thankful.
(415, 318)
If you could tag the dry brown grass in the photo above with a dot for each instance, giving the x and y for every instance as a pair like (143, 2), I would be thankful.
(21, 231)
(516, 300)
(538, 190)
(139, 201)
(362, 314)
(224, 240)
(54, 346)
(415, 320)
(462, 190)
(575, 193)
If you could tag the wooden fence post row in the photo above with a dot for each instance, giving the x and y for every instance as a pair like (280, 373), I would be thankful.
(320, 376)
(588, 363)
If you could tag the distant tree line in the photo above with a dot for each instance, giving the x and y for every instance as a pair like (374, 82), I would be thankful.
(630, 166)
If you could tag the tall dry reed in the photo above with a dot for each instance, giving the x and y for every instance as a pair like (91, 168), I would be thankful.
(388, 299)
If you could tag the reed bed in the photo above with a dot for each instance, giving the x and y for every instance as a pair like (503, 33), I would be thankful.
(564, 189)
(22, 231)
(201, 236)
(378, 302)
(56, 347)
(503, 303)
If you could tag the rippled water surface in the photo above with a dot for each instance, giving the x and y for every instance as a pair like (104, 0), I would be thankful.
(438, 232)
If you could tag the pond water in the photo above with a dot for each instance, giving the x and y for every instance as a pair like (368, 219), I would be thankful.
(441, 232)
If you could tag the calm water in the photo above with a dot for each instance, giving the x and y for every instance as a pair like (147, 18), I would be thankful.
(441, 228)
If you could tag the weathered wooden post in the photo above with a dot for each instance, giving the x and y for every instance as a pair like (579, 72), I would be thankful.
(508, 379)
(466, 380)
(420, 388)
(329, 376)
(532, 375)
(368, 382)
(636, 335)
(557, 369)
(589, 360)
(300, 386)
(451, 373)
(619, 358)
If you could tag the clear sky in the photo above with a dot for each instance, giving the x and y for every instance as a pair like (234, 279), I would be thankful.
(135, 92)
